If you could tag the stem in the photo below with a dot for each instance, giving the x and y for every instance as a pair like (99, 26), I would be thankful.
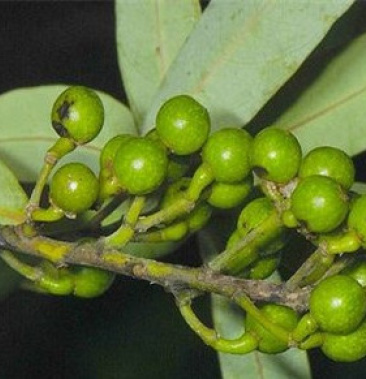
(246, 343)
(127, 230)
(179, 208)
(235, 259)
(20, 267)
(61, 147)
(169, 276)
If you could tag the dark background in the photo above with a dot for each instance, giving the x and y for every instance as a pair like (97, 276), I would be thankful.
(134, 331)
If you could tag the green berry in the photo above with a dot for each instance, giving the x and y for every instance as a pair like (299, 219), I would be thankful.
(264, 267)
(183, 124)
(60, 285)
(357, 271)
(253, 214)
(229, 195)
(226, 152)
(357, 217)
(276, 155)
(91, 282)
(320, 202)
(140, 165)
(110, 149)
(283, 316)
(329, 161)
(74, 188)
(346, 348)
(338, 304)
(78, 114)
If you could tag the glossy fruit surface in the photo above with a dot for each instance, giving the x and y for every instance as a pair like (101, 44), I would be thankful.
(357, 217)
(357, 272)
(227, 154)
(320, 203)
(140, 165)
(229, 195)
(278, 314)
(253, 214)
(183, 124)
(110, 149)
(338, 304)
(329, 161)
(91, 282)
(78, 114)
(276, 155)
(74, 188)
(346, 348)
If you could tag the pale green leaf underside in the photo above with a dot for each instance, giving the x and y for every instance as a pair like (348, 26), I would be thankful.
(241, 52)
(229, 322)
(26, 132)
(149, 36)
(12, 198)
(331, 111)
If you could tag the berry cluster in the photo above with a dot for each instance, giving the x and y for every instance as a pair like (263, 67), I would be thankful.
(172, 180)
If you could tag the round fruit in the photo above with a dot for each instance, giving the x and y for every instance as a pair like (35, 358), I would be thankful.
(183, 124)
(74, 188)
(357, 271)
(229, 195)
(78, 114)
(110, 149)
(278, 314)
(264, 267)
(338, 304)
(227, 154)
(329, 161)
(60, 285)
(320, 202)
(275, 155)
(346, 348)
(254, 214)
(140, 165)
(357, 217)
(91, 282)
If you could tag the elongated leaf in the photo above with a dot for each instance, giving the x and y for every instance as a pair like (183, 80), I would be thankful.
(229, 322)
(242, 52)
(12, 198)
(26, 131)
(149, 36)
(332, 110)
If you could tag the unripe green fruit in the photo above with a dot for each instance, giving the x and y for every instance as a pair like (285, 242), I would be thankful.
(276, 155)
(110, 149)
(140, 165)
(199, 217)
(357, 272)
(357, 217)
(229, 195)
(338, 304)
(91, 282)
(264, 267)
(62, 285)
(253, 214)
(329, 161)
(74, 188)
(278, 314)
(183, 124)
(346, 348)
(78, 114)
(226, 152)
(320, 202)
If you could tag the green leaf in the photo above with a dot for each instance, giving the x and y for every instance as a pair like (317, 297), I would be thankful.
(331, 111)
(149, 36)
(241, 52)
(12, 198)
(26, 132)
(229, 322)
